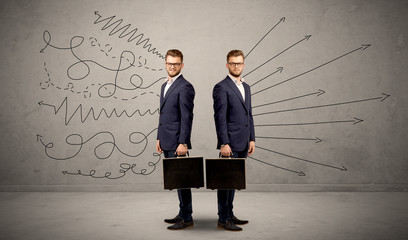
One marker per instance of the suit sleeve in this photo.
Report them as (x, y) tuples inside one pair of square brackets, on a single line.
[(220, 98), (186, 110)]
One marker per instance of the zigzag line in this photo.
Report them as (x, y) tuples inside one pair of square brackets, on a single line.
[(123, 33), (91, 112)]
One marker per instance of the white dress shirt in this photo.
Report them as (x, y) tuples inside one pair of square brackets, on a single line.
[(169, 82), (239, 85)]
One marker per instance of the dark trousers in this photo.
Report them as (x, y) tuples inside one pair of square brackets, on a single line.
[(225, 198), (184, 196)]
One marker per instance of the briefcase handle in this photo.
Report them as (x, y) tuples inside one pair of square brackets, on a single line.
[(186, 155), (221, 156)]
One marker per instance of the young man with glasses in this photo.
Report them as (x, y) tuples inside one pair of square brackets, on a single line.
[(235, 130), (174, 131)]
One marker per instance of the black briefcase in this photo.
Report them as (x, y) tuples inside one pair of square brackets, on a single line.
[(183, 172), (225, 173)]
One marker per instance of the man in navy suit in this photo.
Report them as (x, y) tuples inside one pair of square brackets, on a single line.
[(235, 129), (174, 131)]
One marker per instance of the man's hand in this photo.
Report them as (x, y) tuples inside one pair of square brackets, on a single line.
[(158, 148), (225, 150), (181, 150), (251, 148)]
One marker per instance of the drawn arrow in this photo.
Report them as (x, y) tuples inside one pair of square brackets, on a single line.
[(304, 39), (280, 69), (355, 121), (301, 159), (48, 145), (318, 93), (317, 140), (363, 47), (280, 21), (385, 96), (300, 173)]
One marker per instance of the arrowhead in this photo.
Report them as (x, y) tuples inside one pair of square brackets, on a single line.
[(365, 46), (318, 140), (321, 92), (301, 174), (385, 96), (357, 121), (283, 19), (96, 12), (280, 69), (42, 50), (307, 37), (40, 103), (64, 172), (39, 137), (344, 169)]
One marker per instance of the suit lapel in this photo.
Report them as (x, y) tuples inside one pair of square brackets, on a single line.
[(235, 89), (161, 94), (172, 87)]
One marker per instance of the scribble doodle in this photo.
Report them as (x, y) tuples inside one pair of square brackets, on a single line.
[(123, 32), (127, 60), (91, 112), (104, 49), (124, 168), (100, 151), (259, 107), (121, 83), (69, 87), (87, 93), (107, 48)]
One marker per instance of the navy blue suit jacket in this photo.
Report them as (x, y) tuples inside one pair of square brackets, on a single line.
[(233, 116), (176, 114)]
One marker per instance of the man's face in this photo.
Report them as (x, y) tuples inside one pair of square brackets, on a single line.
[(235, 65), (173, 65)]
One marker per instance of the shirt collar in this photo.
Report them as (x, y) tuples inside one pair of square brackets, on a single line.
[(171, 80), (235, 80)]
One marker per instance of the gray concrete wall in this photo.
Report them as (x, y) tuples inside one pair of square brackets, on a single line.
[(329, 84)]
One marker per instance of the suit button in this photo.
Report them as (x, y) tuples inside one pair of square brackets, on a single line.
[(160, 124), (246, 125)]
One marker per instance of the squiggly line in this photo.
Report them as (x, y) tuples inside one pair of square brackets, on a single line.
[(107, 48), (77, 41), (47, 39), (115, 86), (140, 37), (87, 94), (79, 141), (124, 168), (94, 43), (91, 112), (70, 86)]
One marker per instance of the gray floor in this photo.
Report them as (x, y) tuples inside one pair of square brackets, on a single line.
[(139, 215)]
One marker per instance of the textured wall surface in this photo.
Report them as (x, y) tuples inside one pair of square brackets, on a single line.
[(81, 79)]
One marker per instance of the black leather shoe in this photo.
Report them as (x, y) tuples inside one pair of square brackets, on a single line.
[(180, 224), (229, 226), (238, 221), (173, 220)]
